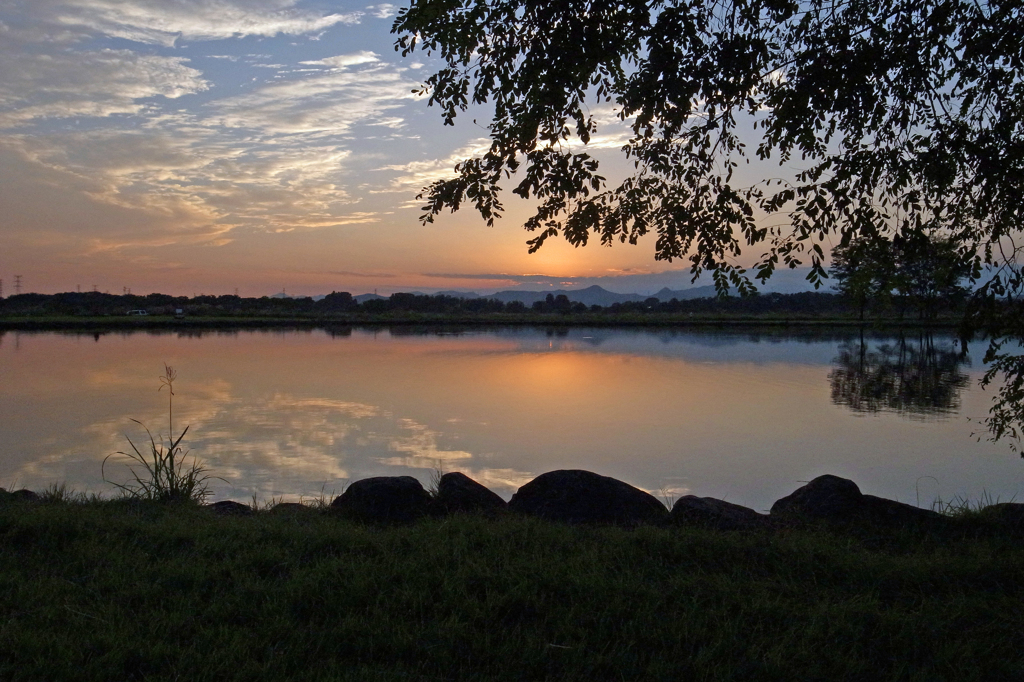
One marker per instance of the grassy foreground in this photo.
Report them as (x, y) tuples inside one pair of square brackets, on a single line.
[(111, 590)]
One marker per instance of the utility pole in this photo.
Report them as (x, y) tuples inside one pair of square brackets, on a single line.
[(17, 285)]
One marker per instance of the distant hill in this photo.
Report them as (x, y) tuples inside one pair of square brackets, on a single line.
[(460, 294), (594, 295), (667, 294)]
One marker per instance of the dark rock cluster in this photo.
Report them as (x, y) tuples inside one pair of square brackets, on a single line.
[(583, 497), (20, 495)]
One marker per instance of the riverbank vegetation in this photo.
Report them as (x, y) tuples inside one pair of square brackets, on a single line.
[(93, 309), (98, 590)]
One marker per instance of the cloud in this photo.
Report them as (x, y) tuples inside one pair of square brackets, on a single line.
[(343, 60), (331, 102), (503, 277), (96, 84), (162, 145), (106, 214), (383, 11), (373, 275), (416, 175), (164, 22)]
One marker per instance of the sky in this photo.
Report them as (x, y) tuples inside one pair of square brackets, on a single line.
[(258, 146)]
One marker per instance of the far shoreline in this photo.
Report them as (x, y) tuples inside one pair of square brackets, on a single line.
[(407, 319)]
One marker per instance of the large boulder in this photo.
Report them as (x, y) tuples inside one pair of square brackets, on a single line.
[(575, 496), (707, 511), (458, 493), (892, 513), (827, 497), (383, 499), (839, 500), (20, 496), (290, 509), (231, 508), (1009, 514)]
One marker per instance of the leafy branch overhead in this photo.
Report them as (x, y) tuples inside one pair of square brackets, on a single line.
[(901, 117)]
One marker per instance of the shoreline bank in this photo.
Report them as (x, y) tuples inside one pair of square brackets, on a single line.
[(653, 321)]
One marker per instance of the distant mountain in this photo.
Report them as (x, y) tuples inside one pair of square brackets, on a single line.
[(667, 294), (459, 294), (594, 295)]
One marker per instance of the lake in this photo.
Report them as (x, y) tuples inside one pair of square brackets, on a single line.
[(744, 416)]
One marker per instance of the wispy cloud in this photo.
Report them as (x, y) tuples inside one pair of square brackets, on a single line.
[(343, 60), (94, 84), (331, 102), (369, 275), (382, 11), (415, 175), (504, 277), (166, 21)]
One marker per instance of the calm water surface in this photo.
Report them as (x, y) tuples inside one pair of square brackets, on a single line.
[(741, 416)]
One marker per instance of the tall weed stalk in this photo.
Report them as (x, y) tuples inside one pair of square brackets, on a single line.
[(161, 473)]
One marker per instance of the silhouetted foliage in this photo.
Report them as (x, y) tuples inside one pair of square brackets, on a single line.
[(923, 272), (807, 304), (905, 119), (931, 272), (336, 302), (864, 270)]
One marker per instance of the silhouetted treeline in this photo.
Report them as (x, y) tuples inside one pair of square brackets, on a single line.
[(338, 303)]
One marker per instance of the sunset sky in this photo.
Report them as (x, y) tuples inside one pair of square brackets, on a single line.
[(203, 146)]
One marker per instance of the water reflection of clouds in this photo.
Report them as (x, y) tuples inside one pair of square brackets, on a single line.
[(419, 444), (289, 414)]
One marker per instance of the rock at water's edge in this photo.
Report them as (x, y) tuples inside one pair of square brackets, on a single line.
[(835, 499), (22, 495), (231, 508), (708, 511), (892, 513), (289, 508), (457, 492), (827, 497), (383, 499), (1005, 513), (576, 496)]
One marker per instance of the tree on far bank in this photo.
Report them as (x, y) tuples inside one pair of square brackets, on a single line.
[(864, 270), (932, 272), (924, 272)]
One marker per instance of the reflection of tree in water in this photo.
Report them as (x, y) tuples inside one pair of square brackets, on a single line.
[(915, 377)]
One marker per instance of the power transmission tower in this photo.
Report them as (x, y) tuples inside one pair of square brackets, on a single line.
[(1, 288), (17, 285)]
